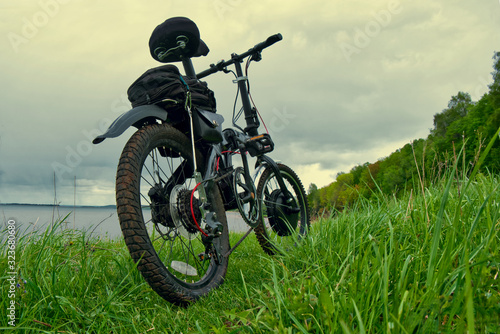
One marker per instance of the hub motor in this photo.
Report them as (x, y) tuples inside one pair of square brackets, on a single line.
[(160, 213), (282, 213)]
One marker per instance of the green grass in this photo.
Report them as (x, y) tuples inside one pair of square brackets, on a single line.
[(425, 262)]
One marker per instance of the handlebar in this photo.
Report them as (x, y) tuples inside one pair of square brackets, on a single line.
[(237, 58), (268, 42)]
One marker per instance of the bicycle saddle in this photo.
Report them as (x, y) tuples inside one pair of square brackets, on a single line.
[(165, 37)]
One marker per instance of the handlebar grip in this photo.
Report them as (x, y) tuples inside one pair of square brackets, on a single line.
[(268, 42), (273, 39)]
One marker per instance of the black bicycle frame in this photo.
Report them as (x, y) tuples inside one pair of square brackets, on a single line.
[(251, 117)]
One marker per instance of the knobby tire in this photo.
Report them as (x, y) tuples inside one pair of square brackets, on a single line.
[(271, 241), (153, 141)]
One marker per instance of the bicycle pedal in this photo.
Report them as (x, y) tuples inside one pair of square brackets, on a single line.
[(203, 256), (259, 145), (246, 196)]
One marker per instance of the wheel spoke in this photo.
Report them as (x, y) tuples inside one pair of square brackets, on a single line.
[(145, 199), (283, 220), (163, 244), (155, 176), (180, 248)]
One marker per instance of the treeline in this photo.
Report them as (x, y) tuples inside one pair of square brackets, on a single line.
[(463, 124)]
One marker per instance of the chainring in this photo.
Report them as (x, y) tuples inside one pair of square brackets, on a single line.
[(248, 207)]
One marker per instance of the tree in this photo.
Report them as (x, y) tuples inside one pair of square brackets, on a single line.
[(462, 122), (357, 171), (313, 198), (495, 86), (457, 108)]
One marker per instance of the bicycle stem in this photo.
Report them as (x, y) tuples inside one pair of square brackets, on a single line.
[(250, 113)]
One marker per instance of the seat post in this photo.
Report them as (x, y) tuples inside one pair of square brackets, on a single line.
[(188, 67)]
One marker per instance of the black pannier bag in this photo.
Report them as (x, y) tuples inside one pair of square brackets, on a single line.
[(155, 85), (166, 83)]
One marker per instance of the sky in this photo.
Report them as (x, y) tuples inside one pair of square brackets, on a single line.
[(351, 81)]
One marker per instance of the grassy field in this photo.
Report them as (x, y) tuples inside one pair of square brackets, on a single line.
[(426, 262)]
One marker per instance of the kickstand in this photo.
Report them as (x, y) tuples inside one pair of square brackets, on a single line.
[(238, 243)]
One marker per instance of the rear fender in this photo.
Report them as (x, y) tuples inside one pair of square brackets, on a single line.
[(133, 117)]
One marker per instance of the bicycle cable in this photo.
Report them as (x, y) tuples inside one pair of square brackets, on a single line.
[(236, 116), (250, 95)]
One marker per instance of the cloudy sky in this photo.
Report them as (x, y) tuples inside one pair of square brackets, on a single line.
[(351, 82)]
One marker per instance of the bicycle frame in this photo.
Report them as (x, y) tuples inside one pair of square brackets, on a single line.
[(220, 155)]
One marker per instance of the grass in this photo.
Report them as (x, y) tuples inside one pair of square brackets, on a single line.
[(378, 268), (426, 262)]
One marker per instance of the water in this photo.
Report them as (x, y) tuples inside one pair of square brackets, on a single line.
[(100, 221)]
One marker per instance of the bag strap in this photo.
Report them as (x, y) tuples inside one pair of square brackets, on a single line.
[(188, 94)]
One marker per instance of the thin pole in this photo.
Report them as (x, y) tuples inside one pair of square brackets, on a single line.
[(74, 205)]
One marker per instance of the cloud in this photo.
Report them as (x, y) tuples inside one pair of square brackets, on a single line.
[(326, 109)]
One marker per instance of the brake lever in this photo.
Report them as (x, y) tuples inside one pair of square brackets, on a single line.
[(220, 66), (256, 56)]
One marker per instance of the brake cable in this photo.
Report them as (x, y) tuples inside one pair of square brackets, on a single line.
[(250, 95)]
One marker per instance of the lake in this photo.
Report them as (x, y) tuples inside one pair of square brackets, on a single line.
[(102, 221)]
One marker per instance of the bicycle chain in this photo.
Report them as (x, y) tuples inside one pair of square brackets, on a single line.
[(220, 178)]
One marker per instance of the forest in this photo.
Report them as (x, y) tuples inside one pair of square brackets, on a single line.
[(459, 134)]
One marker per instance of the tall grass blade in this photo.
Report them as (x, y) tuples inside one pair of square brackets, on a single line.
[(360, 320), (475, 171), (437, 227), (468, 296)]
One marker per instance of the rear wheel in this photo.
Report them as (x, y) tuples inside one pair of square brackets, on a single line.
[(155, 203), (285, 214)]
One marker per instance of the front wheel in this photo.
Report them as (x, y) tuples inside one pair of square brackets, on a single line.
[(155, 201), (285, 213)]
